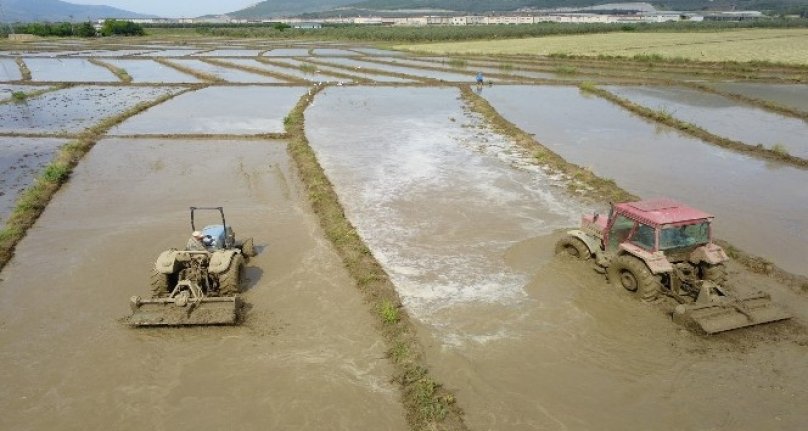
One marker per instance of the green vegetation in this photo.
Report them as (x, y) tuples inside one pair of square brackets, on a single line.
[(19, 96), (565, 70), (120, 73), (57, 29), (114, 27), (462, 33), (428, 405), (458, 63), (780, 149), (308, 68)]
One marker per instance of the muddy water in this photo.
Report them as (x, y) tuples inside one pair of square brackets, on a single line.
[(67, 70), (217, 110), (73, 109), (435, 211), (288, 71), (6, 90), (723, 116), (652, 160), (307, 356), (226, 73), (526, 341), (152, 72), (21, 160), (791, 95), (9, 70)]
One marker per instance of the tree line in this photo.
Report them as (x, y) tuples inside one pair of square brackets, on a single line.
[(111, 27)]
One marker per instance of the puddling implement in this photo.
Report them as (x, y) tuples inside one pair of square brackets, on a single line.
[(196, 287), (662, 247)]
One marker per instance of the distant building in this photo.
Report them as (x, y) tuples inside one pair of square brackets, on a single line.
[(307, 25)]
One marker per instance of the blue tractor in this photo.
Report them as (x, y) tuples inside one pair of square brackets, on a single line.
[(198, 286)]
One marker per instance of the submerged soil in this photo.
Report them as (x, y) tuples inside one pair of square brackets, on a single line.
[(21, 160), (306, 357)]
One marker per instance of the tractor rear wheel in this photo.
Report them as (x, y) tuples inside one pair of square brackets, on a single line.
[(248, 248), (716, 273), (573, 247), (230, 280), (160, 283), (634, 275)]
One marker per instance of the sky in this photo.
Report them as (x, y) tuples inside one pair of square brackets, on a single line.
[(173, 8)]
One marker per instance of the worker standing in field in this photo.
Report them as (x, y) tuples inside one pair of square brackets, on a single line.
[(480, 79)]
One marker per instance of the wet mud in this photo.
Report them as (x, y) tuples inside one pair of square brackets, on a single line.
[(7, 91), (723, 117), (411, 71), (288, 71), (306, 357), (73, 109), (288, 52), (21, 160), (67, 70), (651, 160), (326, 69), (245, 110), (231, 53)]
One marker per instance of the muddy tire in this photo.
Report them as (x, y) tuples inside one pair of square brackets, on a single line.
[(160, 283), (715, 273), (248, 248), (572, 247), (230, 280), (634, 276)]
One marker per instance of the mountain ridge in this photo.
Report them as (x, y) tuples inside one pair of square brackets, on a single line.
[(57, 10)]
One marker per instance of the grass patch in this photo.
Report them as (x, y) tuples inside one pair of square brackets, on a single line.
[(565, 70), (780, 149), (24, 71), (19, 96), (121, 74), (32, 201), (308, 68), (428, 405)]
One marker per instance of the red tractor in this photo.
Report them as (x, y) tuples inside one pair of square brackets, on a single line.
[(662, 247)]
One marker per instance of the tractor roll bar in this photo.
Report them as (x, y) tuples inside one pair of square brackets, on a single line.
[(221, 212)]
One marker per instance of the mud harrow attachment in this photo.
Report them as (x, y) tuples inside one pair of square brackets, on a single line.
[(728, 314), (186, 305)]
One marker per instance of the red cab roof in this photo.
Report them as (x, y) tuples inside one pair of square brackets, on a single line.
[(661, 211)]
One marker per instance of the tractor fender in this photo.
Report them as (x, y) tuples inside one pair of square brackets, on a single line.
[(166, 262), (708, 253), (657, 262), (592, 243), (220, 261)]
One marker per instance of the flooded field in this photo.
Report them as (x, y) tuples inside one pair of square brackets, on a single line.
[(298, 362), (152, 72), (460, 217), (9, 70), (225, 73), (217, 110), (526, 341), (21, 160), (73, 109), (651, 160), (724, 117), (67, 70), (791, 95)]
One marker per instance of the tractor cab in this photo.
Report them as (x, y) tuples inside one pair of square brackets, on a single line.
[(217, 236), (656, 225)]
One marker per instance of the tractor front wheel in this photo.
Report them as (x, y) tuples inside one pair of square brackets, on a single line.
[(634, 275), (230, 280), (573, 247)]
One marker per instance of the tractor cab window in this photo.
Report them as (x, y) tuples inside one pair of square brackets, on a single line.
[(643, 237), (684, 236), (620, 230)]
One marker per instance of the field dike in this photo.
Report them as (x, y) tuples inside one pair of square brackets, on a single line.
[(188, 71), (765, 104), (32, 202), (21, 96), (590, 186), (120, 73), (695, 131), (428, 405), (24, 71)]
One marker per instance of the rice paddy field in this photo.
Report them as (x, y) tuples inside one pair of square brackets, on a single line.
[(776, 46), (405, 221)]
